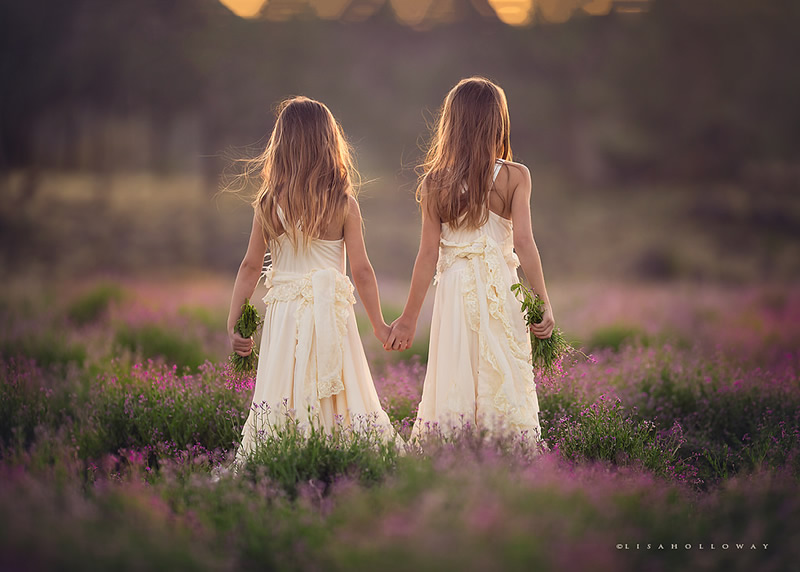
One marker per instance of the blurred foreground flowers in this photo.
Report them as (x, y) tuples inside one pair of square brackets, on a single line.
[(687, 434)]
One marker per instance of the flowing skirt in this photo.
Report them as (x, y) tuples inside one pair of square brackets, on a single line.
[(312, 365), (479, 361)]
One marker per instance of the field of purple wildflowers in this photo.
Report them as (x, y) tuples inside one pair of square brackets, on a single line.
[(676, 446)]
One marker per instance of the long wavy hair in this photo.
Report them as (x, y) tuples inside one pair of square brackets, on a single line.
[(471, 131), (307, 167)]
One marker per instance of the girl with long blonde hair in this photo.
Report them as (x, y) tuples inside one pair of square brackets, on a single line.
[(476, 231), (311, 362)]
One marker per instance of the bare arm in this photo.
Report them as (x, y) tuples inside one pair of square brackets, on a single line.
[(525, 245), (245, 285), (404, 327), (362, 271)]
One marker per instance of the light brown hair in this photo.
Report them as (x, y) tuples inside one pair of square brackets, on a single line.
[(470, 133), (307, 167)]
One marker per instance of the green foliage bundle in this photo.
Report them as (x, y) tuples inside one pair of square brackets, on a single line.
[(247, 325), (547, 353)]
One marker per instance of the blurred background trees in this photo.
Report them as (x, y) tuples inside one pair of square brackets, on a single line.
[(603, 94), (687, 88)]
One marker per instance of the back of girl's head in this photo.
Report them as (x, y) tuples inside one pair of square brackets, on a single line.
[(307, 168), (470, 133)]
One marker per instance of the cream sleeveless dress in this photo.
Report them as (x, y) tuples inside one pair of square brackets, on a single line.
[(479, 361), (311, 363)]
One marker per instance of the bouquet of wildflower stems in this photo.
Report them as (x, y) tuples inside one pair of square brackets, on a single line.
[(547, 353), (246, 326)]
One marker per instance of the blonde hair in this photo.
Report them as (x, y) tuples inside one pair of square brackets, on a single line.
[(308, 167), (470, 133)]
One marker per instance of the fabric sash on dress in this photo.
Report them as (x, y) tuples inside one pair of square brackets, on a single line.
[(484, 247), (324, 295)]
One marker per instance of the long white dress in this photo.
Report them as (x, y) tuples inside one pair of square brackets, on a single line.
[(311, 364), (479, 361)]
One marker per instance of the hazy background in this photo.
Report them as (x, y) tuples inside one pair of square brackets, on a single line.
[(663, 136)]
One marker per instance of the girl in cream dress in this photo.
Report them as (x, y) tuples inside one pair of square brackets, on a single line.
[(476, 231), (311, 364)]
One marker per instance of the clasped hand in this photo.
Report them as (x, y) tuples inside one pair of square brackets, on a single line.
[(401, 335)]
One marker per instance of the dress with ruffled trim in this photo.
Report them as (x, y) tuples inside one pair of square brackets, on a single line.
[(311, 366), (479, 360)]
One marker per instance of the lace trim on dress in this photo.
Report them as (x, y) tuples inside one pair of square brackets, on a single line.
[(325, 296)]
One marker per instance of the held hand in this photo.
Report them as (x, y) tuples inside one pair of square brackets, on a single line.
[(544, 329), (382, 332), (240, 345), (402, 334)]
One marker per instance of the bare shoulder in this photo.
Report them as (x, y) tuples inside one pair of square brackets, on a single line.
[(424, 189), (352, 231), (513, 177), (352, 206), (517, 173), (426, 199)]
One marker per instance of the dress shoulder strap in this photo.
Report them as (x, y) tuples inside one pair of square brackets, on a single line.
[(497, 164), (281, 216)]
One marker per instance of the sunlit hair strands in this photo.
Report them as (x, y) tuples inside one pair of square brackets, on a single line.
[(471, 131), (307, 168)]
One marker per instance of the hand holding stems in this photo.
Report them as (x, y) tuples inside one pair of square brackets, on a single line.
[(241, 346), (548, 344), (246, 279), (544, 329)]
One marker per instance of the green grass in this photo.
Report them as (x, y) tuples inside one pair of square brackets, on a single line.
[(30, 398), (107, 464), (155, 341), (291, 454), (92, 305), (606, 431), (615, 336), (210, 318), (47, 348), (154, 407), (454, 512)]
